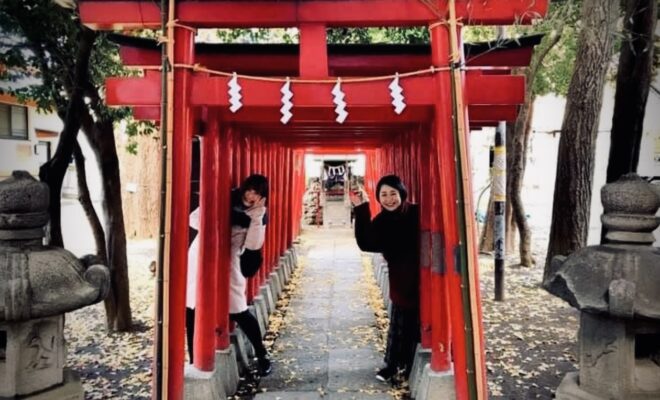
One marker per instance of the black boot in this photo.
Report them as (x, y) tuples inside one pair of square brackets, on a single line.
[(386, 374), (265, 366)]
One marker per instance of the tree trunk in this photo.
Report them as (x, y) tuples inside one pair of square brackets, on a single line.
[(517, 145), (632, 86), (102, 141), (575, 164), (86, 203), (515, 176), (52, 172)]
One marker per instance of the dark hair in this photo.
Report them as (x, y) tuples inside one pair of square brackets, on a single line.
[(256, 182), (395, 182)]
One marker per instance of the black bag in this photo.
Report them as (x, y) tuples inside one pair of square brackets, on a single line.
[(251, 261)]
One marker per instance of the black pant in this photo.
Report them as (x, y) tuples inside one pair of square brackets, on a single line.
[(190, 330), (249, 325), (402, 338)]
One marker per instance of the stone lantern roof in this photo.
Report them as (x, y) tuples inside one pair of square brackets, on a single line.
[(36, 280), (620, 278)]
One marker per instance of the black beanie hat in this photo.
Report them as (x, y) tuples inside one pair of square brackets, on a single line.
[(395, 182)]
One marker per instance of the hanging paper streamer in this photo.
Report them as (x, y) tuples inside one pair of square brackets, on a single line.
[(338, 99), (287, 105), (234, 94), (396, 91)]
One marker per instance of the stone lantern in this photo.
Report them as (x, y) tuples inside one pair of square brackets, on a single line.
[(616, 287), (38, 284)]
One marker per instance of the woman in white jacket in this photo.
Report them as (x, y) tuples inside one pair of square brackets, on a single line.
[(191, 284), (248, 228)]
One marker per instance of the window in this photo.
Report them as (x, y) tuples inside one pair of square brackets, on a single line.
[(13, 122)]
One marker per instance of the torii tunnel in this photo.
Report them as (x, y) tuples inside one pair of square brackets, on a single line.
[(424, 144)]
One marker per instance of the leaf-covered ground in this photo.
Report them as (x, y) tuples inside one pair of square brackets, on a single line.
[(116, 365), (530, 338)]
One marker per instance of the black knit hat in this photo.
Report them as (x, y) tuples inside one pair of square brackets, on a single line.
[(395, 182)]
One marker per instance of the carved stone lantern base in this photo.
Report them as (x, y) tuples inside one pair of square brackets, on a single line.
[(618, 357), (32, 357)]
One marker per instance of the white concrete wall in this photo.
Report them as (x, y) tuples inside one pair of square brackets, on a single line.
[(22, 154), (538, 186)]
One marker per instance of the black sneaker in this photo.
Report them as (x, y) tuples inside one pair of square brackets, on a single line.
[(265, 367), (386, 374)]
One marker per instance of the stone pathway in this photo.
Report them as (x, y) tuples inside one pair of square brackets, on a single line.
[(336, 214), (329, 345)]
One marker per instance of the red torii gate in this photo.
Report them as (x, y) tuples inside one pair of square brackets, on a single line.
[(421, 145)]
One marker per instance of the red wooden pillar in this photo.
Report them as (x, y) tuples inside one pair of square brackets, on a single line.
[(237, 152), (313, 51), (265, 269), (447, 279), (180, 201), (299, 178), (426, 219), (225, 171), (205, 305), (283, 208), (275, 207), (288, 200)]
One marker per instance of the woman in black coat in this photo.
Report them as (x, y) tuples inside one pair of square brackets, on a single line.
[(394, 232)]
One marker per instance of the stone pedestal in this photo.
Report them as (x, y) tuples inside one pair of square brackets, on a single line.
[(258, 309), (33, 357), (267, 294), (225, 362), (422, 358), (243, 350), (70, 389), (275, 285), (216, 384), (436, 385), (202, 385)]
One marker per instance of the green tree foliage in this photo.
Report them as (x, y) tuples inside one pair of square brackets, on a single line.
[(49, 57), (38, 48), (413, 35)]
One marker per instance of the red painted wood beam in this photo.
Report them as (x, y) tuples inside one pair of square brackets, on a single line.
[(338, 64), (488, 113), (316, 115), (331, 149), (120, 15), (134, 92), (316, 119), (213, 91), (494, 89), (247, 14), (150, 113)]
